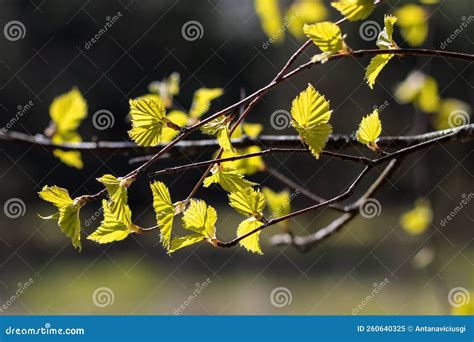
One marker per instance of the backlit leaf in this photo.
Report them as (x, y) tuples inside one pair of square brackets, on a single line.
[(354, 10), (117, 190), (251, 242), (310, 108), (219, 127), (177, 117), (278, 202), (229, 179), (376, 65), (385, 37), (326, 35), (200, 218), (184, 241), (55, 195), (164, 210), (248, 202), (315, 136), (202, 101), (268, 11), (166, 89), (428, 99), (110, 229), (148, 118), (417, 220), (369, 130), (68, 110), (302, 12), (413, 22), (70, 158)]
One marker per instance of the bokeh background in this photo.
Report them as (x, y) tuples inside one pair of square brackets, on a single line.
[(147, 44)]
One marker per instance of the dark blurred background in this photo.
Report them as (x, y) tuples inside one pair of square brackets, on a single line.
[(146, 44)]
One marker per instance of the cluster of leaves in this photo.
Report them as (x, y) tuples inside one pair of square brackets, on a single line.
[(421, 91)]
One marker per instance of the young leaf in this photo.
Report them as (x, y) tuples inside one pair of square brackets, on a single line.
[(248, 202), (375, 67), (369, 130), (247, 166), (385, 38), (413, 22), (310, 108), (418, 219), (268, 11), (302, 12), (315, 137), (310, 113), (202, 101), (219, 127), (68, 110), (251, 130), (148, 118), (68, 212), (251, 242), (354, 10), (110, 229), (117, 190), (326, 35), (278, 202), (184, 241), (229, 179), (200, 218), (165, 211)]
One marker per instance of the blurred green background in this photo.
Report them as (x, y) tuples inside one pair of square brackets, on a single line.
[(145, 45)]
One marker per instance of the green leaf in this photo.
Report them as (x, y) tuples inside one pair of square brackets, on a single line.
[(246, 166), (315, 137), (302, 12), (165, 211), (184, 241), (326, 35), (310, 108), (110, 229), (248, 202), (177, 117), (200, 218), (417, 220), (229, 179), (59, 197), (413, 22), (251, 242), (369, 130), (268, 11), (375, 67), (117, 190), (278, 202), (68, 110), (148, 118), (354, 10), (385, 38), (202, 101), (219, 127)]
